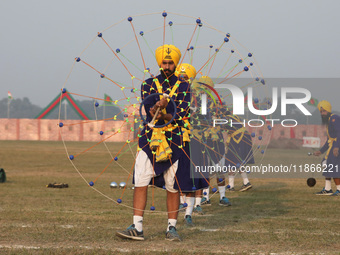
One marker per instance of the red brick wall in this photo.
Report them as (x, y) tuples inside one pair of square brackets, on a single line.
[(78, 130), (73, 130)]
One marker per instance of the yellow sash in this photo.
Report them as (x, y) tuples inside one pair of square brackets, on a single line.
[(159, 143), (330, 142)]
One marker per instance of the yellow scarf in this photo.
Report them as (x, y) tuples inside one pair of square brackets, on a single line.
[(159, 144), (330, 141)]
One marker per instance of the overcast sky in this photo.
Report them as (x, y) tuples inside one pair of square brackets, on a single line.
[(291, 39)]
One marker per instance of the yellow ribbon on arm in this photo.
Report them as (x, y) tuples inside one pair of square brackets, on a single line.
[(159, 143)]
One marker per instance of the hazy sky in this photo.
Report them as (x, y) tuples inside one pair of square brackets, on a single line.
[(40, 38)]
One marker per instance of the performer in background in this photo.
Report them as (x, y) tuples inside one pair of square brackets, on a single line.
[(192, 190), (331, 160)]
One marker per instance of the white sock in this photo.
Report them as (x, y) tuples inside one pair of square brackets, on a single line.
[(328, 185), (245, 178), (190, 207), (338, 187), (171, 222), (138, 221), (206, 192), (182, 198), (197, 201), (221, 189), (231, 180)]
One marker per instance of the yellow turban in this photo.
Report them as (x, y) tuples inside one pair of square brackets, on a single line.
[(187, 69), (168, 52), (197, 86), (325, 105), (206, 80)]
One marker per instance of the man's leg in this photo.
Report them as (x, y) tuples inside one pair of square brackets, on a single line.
[(327, 190), (182, 198), (190, 200), (139, 204), (205, 199), (139, 200), (135, 231), (231, 183), (198, 199), (172, 199), (221, 188), (246, 184), (337, 183), (142, 175), (172, 204)]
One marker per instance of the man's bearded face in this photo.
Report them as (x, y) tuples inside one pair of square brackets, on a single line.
[(325, 117), (169, 67)]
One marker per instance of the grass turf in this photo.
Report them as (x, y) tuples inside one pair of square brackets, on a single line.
[(279, 215)]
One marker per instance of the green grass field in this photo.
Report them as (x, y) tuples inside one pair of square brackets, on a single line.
[(279, 215)]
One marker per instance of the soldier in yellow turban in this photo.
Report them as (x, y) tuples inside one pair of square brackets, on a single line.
[(331, 161), (206, 80), (325, 105), (160, 148), (199, 86), (186, 71), (167, 57)]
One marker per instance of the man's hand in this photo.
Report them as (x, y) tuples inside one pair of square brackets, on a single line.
[(317, 153), (153, 112), (336, 152), (163, 103)]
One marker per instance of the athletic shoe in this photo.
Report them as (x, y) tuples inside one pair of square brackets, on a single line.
[(131, 233), (336, 193), (205, 201), (172, 234), (225, 202), (198, 210), (246, 187), (231, 189), (324, 192), (181, 208), (188, 220)]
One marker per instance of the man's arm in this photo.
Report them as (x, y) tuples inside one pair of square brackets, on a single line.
[(149, 103), (323, 149), (336, 122), (184, 97)]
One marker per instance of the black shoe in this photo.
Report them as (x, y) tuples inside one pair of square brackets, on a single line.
[(131, 233), (246, 187), (172, 234)]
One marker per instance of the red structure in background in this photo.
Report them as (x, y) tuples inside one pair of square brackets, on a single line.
[(58, 100)]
